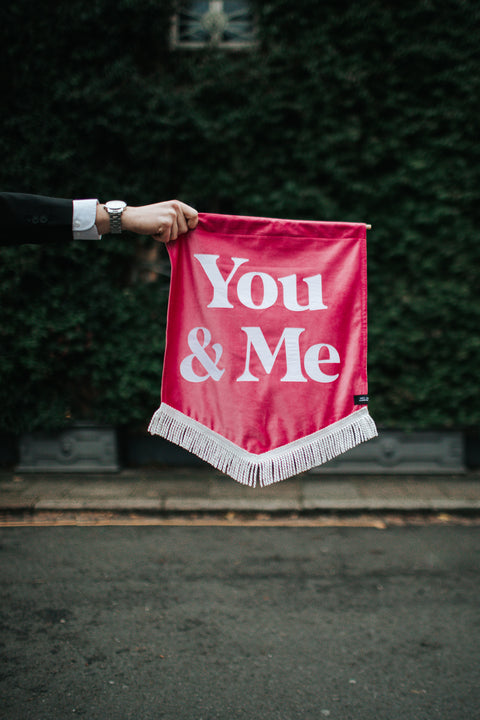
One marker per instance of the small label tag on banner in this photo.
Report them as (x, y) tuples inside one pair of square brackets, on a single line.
[(360, 399)]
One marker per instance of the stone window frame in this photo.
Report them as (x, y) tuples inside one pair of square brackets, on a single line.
[(217, 20)]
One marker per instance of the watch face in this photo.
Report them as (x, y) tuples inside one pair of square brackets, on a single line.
[(116, 204)]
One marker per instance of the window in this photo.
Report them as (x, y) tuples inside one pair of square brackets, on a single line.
[(225, 24)]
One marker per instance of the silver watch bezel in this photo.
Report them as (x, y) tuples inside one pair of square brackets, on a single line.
[(116, 205)]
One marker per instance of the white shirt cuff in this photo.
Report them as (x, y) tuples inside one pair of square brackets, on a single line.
[(84, 214)]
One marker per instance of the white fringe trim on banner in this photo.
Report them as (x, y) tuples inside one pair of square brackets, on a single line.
[(269, 467)]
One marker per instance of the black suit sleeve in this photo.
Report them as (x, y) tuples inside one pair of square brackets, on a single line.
[(34, 219)]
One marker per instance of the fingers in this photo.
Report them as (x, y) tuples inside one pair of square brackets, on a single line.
[(190, 214), (174, 227), (187, 217), (169, 224), (181, 221), (180, 218)]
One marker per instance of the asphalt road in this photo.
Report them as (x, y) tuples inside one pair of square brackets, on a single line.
[(221, 623)]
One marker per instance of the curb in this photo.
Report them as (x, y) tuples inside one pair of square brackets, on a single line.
[(186, 492), (240, 505)]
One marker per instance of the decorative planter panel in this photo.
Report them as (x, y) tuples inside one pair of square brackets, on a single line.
[(397, 453), (79, 449)]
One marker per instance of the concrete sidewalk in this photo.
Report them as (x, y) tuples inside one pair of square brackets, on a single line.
[(201, 490)]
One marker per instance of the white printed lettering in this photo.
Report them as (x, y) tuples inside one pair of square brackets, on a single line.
[(219, 284), (256, 339), (312, 362), (198, 352), (290, 293), (244, 290)]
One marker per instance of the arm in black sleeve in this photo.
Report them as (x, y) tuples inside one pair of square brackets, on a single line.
[(34, 219)]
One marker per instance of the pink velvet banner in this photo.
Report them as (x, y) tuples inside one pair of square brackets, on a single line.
[(265, 370)]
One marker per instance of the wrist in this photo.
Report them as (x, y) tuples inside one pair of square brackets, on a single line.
[(102, 221)]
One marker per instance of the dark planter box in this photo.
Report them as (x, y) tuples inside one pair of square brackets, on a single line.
[(394, 453), (83, 448), (93, 449)]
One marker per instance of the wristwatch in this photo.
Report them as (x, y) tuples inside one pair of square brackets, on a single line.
[(115, 209)]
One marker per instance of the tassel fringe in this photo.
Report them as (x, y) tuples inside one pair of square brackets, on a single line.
[(269, 467)]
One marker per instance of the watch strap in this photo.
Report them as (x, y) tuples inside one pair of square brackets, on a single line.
[(115, 209), (115, 221)]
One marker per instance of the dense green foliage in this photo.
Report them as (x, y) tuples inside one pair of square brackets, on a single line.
[(345, 111)]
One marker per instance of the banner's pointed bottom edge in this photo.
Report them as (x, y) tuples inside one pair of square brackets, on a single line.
[(269, 467)]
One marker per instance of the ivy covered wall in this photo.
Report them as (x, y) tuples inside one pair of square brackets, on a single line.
[(348, 111)]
